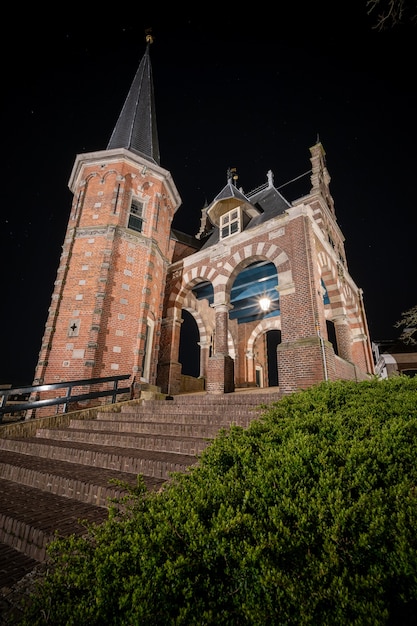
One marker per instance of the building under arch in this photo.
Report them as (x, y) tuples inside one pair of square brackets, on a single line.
[(125, 276)]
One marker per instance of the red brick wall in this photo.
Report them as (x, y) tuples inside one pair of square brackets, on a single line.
[(109, 281), (303, 259), (112, 284)]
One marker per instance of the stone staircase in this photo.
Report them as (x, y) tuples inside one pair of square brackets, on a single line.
[(54, 475)]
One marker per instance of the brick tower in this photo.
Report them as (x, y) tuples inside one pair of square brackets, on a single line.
[(105, 313)]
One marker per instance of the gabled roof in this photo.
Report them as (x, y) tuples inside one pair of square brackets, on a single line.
[(188, 240), (136, 128), (229, 198), (270, 201), (262, 204)]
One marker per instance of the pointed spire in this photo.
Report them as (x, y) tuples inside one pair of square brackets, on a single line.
[(320, 177), (136, 128)]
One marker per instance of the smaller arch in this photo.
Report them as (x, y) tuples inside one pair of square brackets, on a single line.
[(185, 283), (107, 174), (263, 326), (189, 346), (90, 177), (205, 330)]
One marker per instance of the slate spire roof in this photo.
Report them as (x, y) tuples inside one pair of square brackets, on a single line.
[(136, 128)]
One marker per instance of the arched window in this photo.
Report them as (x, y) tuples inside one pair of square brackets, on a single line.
[(136, 216)]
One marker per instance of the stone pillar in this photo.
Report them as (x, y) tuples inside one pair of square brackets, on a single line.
[(221, 320), (169, 368), (343, 337), (250, 368), (220, 369), (204, 356)]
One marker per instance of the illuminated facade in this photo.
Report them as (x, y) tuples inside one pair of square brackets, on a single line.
[(126, 277)]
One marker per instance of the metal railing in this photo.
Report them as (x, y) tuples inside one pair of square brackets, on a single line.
[(64, 400)]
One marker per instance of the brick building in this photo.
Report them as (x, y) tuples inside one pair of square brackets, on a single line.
[(126, 279)]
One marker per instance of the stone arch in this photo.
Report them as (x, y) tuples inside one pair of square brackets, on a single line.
[(221, 276), (182, 298), (90, 177), (330, 277), (271, 323), (266, 367), (223, 279), (261, 251), (202, 314), (343, 316), (184, 283), (193, 335), (78, 203), (110, 173)]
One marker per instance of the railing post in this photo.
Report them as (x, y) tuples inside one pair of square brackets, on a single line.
[(114, 396), (2, 403), (68, 396)]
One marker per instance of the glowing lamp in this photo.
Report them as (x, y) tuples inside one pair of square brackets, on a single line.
[(264, 303)]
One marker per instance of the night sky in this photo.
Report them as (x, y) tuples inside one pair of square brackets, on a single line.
[(233, 89)]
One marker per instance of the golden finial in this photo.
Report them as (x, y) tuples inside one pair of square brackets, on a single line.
[(148, 35), (232, 174)]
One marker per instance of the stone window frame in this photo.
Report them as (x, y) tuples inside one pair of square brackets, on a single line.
[(136, 218), (231, 223)]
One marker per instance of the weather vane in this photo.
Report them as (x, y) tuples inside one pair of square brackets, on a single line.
[(232, 174)]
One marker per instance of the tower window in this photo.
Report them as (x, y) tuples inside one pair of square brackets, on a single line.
[(136, 216), (230, 223)]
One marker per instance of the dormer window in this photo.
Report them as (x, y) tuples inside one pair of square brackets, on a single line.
[(136, 216), (230, 223)]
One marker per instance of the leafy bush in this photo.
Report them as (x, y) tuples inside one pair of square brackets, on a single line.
[(309, 516)]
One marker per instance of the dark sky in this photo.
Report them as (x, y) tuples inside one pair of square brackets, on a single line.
[(251, 90)]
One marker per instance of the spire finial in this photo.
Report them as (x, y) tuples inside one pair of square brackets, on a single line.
[(149, 36), (232, 175)]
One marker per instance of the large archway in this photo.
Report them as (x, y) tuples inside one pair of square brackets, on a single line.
[(189, 351), (273, 339), (265, 355)]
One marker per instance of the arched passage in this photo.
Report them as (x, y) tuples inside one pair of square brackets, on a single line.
[(273, 339), (226, 304), (189, 352)]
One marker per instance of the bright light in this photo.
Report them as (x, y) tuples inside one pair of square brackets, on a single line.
[(264, 303)]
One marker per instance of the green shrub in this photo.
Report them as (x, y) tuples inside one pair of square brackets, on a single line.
[(309, 516)]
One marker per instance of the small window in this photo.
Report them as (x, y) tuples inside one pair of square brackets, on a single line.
[(230, 223), (136, 216)]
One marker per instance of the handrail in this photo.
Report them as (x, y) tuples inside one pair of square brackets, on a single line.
[(64, 400)]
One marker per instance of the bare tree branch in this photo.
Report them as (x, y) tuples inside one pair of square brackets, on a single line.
[(391, 13), (408, 322)]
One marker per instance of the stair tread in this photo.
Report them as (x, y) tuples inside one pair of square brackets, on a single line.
[(127, 419), (153, 455), (124, 434), (72, 471), (22, 503), (13, 565)]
